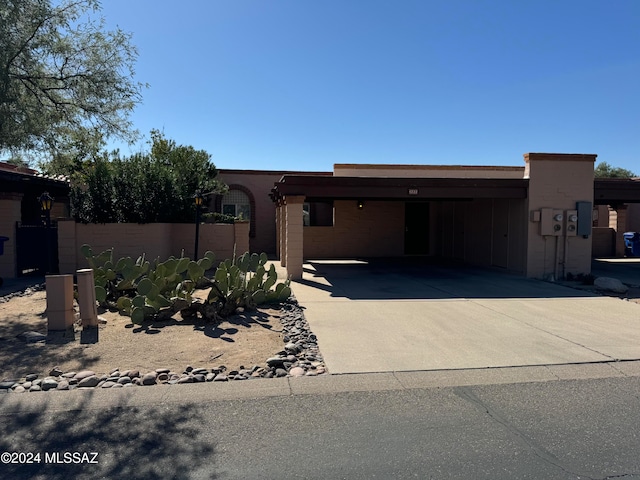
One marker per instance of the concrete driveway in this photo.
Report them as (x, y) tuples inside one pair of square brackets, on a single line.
[(403, 315)]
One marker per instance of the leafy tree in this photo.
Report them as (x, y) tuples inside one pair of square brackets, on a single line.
[(604, 170), (145, 187), (63, 77)]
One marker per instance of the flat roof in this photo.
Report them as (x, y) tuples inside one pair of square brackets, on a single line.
[(391, 188)]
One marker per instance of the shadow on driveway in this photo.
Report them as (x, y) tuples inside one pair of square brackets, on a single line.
[(423, 278)]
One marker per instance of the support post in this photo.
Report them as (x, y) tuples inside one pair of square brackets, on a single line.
[(87, 298)]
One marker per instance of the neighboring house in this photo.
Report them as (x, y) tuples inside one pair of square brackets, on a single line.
[(248, 196), (20, 189), (502, 217)]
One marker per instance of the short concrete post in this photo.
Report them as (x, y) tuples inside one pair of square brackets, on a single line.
[(60, 315), (87, 298)]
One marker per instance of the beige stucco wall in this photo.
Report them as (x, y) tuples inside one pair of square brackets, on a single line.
[(426, 171), (557, 181), (375, 231), (154, 240), (10, 208)]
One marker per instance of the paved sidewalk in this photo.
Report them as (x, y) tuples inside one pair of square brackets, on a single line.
[(379, 317)]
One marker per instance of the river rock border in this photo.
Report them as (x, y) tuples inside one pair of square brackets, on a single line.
[(299, 357)]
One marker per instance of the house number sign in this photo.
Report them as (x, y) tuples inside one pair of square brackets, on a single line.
[(413, 191)]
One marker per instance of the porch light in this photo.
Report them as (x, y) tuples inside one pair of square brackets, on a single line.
[(360, 204), (46, 202), (198, 198)]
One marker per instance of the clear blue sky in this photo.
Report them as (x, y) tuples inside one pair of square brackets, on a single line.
[(302, 84)]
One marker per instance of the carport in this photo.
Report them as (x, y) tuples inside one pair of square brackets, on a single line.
[(500, 217)]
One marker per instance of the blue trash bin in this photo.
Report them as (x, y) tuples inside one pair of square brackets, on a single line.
[(631, 244)]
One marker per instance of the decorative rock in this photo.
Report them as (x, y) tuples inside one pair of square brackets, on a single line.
[(280, 372), (124, 380), (73, 381), (7, 384), (117, 385), (199, 377), (210, 377), (185, 380), (115, 372), (90, 381), (84, 374), (129, 385), (220, 378), (198, 370), (291, 347), (149, 378), (113, 378), (32, 337), (162, 370), (163, 376), (31, 377), (63, 385), (134, 373), (19, 389), (109, 384), (48, 383), (27, 385), (610, 285), (297, 372), (275, 361), (188, 369), (35, 388), (69, 375)]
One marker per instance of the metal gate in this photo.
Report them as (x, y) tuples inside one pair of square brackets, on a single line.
[(36, 248)]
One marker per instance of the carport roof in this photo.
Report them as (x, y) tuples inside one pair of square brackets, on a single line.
[(614, 191), (318, 188)]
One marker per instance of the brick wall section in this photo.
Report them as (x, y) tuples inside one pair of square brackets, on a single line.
[(154, 240), (10, 208), (603, 242), (618, 221), (294, 236), (375, 231), (633, 217), (557, 181)]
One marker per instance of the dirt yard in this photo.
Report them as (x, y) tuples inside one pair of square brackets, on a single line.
[(244, 340)]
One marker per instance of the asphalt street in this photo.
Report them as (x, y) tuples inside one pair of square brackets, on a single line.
[(564, 429)]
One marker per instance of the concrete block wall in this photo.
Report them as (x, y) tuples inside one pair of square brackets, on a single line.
[(10, 213), (154, 240), (603, 242), (377, 230), (557, 181)]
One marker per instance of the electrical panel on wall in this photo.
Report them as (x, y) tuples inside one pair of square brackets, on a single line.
[(585, 218)]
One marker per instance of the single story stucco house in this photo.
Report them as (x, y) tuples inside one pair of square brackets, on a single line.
[(535, 220)]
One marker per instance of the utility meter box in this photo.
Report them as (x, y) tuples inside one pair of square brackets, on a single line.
[(551, 222), (571, 222)]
